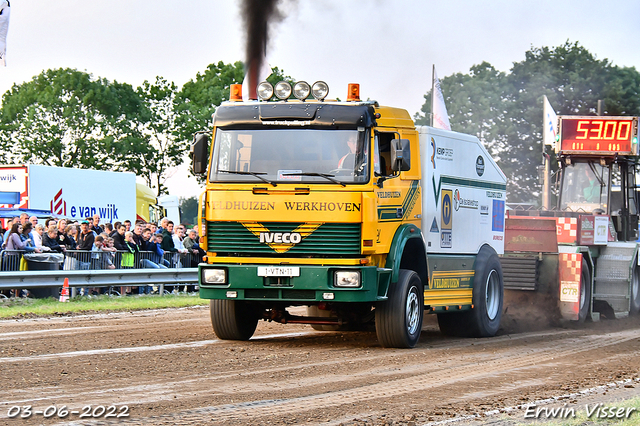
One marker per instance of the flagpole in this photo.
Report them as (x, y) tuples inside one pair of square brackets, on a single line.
[(546, 190), (433, 93)]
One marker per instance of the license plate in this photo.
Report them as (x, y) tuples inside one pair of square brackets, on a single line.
[(278, 271)]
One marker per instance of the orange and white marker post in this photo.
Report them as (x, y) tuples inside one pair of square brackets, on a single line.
[(64, 295)]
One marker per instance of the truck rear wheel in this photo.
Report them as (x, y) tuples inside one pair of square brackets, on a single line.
[(488, 294), (634, 306), (399, 318), (233, 319)]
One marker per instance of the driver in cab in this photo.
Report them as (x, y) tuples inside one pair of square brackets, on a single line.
[(349, 159)]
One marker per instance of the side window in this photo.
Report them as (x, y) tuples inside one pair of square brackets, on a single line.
[(382, 158)]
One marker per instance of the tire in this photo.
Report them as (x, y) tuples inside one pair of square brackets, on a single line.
[(233, 319), (399, 318), (313, 311), (585, 292), (487, 298), (634, 303), (488, 294)]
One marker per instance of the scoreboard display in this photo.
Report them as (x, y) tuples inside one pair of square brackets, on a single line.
[(599, 134)]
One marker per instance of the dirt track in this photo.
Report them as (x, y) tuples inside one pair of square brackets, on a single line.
[(168, 368)]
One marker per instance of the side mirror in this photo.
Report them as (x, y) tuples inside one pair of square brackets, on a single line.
[(200, 153), (400, 155)]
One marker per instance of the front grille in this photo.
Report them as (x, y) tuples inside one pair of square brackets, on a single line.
[(329, 239)]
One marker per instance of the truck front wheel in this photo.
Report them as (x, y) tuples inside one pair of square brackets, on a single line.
[(233, 319), (399, 318)]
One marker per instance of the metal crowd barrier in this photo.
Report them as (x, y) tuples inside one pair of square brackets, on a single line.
[(16, 268), (10, 260)]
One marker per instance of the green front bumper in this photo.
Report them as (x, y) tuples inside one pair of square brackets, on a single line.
[(315, 284)]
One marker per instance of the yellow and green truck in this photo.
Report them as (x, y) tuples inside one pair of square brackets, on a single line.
[(349, 209)]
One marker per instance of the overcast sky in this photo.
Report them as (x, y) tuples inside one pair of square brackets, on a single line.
[(388, 46)]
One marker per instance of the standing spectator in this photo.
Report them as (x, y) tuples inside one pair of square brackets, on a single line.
[(127, 224), (13, 244), (116, 225), (72, 233), (24, 218), (108, 228), (38, 233), (154, 227), (2, 231), (95, 226), (191, 243), (50, 240), (86, 236), (13, 240), (163, 225), (178, 236), (167, 237), (26, 238), (9, 226), (118, 238), (34, 221), (101, 254), (137, 234), (152, 245), (63, 238)]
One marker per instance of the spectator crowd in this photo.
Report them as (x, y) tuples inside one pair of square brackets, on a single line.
[(90, 244)]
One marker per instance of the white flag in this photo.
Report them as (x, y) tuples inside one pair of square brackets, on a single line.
[(550, 123), (438, 108), (4, 28)]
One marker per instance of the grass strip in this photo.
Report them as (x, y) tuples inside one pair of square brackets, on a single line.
[(27, 308)]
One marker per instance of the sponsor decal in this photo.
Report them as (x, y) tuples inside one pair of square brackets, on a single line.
[(108, 213), (281, 242), (465, 203), (480, 165), (445, 283), (11, 177), (439, 153), (494, 194), (446, 219), (280, 237), (484, 214), (389, 194), (316, 206), (570, 291), (497, 224), (295, 123), (450, 279), (243, 205)]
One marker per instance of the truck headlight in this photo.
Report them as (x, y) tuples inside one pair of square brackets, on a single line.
[(214, 276), (346, 279)]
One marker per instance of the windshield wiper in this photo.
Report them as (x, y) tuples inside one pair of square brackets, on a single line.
[(326, 176), (256, 174)]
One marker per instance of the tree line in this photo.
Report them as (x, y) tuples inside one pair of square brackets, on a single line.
[(69, 118), (504, 109)]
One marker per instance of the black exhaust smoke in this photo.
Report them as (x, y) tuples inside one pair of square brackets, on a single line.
[(258, 15)]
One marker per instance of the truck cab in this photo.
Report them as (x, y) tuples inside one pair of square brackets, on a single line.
[(319, 204)]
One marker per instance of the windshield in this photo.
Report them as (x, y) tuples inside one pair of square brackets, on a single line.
[(585, 187), (290, 155)]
